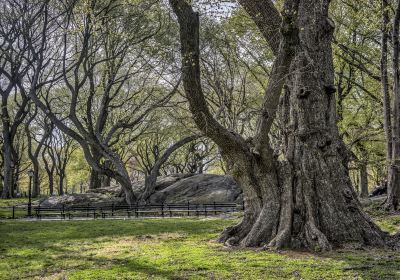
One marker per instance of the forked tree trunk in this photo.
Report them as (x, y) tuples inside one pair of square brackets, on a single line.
[(305, 201)]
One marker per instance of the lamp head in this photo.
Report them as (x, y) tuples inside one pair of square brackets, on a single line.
[(31, 173)]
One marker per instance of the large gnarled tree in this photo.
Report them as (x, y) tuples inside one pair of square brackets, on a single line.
[(305, 200)]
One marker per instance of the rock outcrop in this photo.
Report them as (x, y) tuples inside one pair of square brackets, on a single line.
[(202, 188), (177, 188)]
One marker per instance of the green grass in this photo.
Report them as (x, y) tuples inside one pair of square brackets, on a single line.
[(167, 249), (12, 201), (6, 208)]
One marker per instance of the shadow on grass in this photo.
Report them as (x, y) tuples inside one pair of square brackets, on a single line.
[(79, 248)]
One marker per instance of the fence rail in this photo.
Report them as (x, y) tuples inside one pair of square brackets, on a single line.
[(119, 210)]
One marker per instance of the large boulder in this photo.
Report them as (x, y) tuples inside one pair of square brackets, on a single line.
[(201, 188)]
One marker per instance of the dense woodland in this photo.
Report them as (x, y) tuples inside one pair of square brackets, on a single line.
[(298, 100)]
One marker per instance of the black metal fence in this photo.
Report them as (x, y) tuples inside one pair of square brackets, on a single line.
[(112, 210)]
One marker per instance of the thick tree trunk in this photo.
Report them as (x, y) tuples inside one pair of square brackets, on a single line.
[(393, 201), (363, 180), (317, 207), (305, 201)]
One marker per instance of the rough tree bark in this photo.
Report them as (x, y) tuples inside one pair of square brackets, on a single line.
[(151, 179), (393, 200), (305, 201)]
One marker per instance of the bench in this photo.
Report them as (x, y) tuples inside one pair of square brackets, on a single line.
[(219, 208), (113, 210), (185, 208), (150, 209), (41, 211), (80, 211)]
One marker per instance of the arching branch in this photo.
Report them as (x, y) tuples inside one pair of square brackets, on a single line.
[(189, 34), (151, 180)]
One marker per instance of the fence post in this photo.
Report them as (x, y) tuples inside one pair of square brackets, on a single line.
[(112, 209), (215, 209), (162, 209), (87, 210), (13, 212), (62, 212), (188, 208)]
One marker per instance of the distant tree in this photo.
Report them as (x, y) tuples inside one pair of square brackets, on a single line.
[(97, 103), (37, 130)]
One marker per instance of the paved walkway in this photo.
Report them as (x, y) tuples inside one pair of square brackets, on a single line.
[(213, 217)]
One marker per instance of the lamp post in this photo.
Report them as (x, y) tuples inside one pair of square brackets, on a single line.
[(31, 173)]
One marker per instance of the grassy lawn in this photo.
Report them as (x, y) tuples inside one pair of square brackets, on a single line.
[(13, 201), (6, 208), (168, 249)]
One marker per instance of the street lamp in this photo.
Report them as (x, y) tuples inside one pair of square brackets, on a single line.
[(31, 173)]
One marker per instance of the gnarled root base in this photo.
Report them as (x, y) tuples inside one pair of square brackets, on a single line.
[(307, 221), (310, 237)]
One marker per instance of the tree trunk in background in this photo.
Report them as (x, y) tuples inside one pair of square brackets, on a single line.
[(49, 169), (61, 190), (51, 183), (363, 179), (151, 179), (106, 180), (95, 177), (35, 181), (387, 111), (7, 165), (393, 200), (306, 201), (95, 180)]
